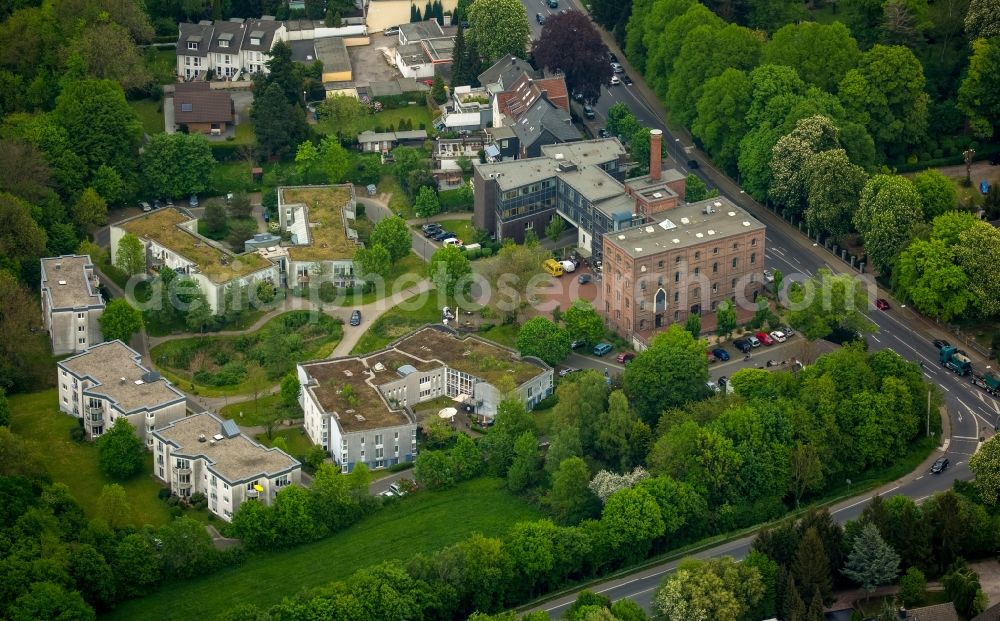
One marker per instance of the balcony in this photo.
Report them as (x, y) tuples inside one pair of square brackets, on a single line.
[(180, 471), (184, 484), (252, 493)]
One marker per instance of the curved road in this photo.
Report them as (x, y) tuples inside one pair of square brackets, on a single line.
[(972, 413)]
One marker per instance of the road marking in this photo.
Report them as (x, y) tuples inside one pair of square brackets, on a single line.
[(928, 375), (864, 500), (796, 259), (945, 388), (920, 477), (965, 438), (874, 338)]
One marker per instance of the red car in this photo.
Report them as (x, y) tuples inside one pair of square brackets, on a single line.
[(764, 338), (625, 357), (882, 304)]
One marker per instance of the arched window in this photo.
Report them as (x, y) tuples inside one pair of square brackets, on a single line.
[(661, 300)]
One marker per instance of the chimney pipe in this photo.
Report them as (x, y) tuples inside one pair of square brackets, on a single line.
[(655, 149)]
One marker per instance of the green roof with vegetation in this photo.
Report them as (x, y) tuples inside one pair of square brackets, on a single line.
[(328, 239), (162, 226)]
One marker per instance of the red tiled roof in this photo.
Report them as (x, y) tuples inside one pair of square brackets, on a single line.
[(523, 93), (555, 89)]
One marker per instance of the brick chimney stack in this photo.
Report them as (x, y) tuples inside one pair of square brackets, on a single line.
[(655, 149)]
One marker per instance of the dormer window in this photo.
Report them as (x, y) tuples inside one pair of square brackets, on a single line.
[(254, 41), (223, 43), (192, 45)]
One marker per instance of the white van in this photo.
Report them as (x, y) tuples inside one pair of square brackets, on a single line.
[(568, 266), (453, 241)]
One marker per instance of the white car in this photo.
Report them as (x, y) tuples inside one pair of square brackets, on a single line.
[(615, 80), (387, 494), (568, 266), (754, 341), (453, 241), (779, 336), (567, 371), (617, 67)]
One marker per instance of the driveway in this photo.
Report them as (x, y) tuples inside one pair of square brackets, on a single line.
[(168, 115)]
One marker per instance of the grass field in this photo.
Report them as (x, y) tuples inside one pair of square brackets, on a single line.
[(37, 418), (233, 176), (218, 365), (296, 441), (416, 114), (398, 202), (421, 523), (410, 264), (396, 322), (150, 115), (505, 334), (252, 413)]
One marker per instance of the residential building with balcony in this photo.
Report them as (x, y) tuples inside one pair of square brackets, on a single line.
[(228, 48), (71, 303), (361, 408), (171, 240), (204, 453), (107, 382), (323, 243)]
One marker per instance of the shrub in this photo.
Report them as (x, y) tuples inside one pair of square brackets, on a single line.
[(198, 501), (164, 493), (327, 292), (401, 466), (911, 587), (176, 512), (547, 402), (77, 434)]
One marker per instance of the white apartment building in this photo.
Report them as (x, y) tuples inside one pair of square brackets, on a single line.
[(171, 240), (71, 303), (203, 453), (226, 47), (361, 408), (108, 381)]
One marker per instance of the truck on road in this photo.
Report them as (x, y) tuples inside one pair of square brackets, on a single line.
[(951, 359), (987, 381)]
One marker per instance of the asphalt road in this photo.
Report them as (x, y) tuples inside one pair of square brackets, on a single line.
[(972, 413)]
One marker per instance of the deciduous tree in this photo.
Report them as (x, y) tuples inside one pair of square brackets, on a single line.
[(985, 464), (120, 453), (90, 210), (569, 42), (108, 52), (344, 113), (177, 165), (938, 194), (833, 187), (790, 154), (671, 372), (450, 270), (120, 320), (542, 338), (394, 235), (720, 123), (820, 53), (434, 470), (630, 522), (978, 95), (104, 128), (927, 275), (982, 20), (113, 507), (373, 260), (278, 124), (22, 241), (498, 28), (583, 323), (570, 498), (426, 204), (888, 210)]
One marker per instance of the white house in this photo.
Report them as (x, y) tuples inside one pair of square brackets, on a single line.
[(108, 381), (171, 240), (323, 244), (71, 303), (226, 47), (361, 408), (203, 453)]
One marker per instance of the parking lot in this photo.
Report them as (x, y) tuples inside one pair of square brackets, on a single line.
[(563, 290)]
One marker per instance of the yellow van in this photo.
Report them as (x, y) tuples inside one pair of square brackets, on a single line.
[(553, 267)]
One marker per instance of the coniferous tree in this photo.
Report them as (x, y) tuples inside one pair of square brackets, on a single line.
[(811, 567)]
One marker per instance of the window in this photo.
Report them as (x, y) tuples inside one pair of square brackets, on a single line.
[(251, 484), (734, 283), (81, 328), (697, 255), (660, 264), (223, 43), (183, 464), (697, 271), (715, 267), (82, 341), (677, 296), (734, 263), (715, 250), (753, 258), (677, 276), (753, 242), (677, 260), (696, 293), (192, 45), (715, 289), (736, 246), (81, 316)]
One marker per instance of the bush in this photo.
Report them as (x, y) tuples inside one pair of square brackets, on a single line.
[(486, 327), (911, 587), (77, 434), (176, 512), (198, 501), (547, 402), (164, 493), (401, 466), (327, 292)]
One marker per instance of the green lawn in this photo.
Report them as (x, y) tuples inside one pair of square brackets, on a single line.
[(150, 114), (248, 414), (421, 523), (398, 202), (505, 334), (244, 134), (417, 114), (297, 442), (37, 418), (397, 322), (462, 228), (408, 265), (215, 366), (232, 176)]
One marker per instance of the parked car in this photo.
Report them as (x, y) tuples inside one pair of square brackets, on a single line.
[(602, 349), (432, 226), (603, 133), (626, 80), (611, 57), (615, 80), (778, 336), (356, 318), (194, 200), (397, 489), (578, 96), (443, 235), (577, 344), (157, 204), (692, 164), (567, 371), (143, 205), (720, 354), (431, 233), (941, 343), (617, 68), (743, 345), (713, 387), (589, 112), (940, 465), (625, 357), (882, 304), (453, 241), (540, 18), (387, 494), (788, 330), (764, 338), (568, 266), (553, 4), (391, 30), (754, 341), (583, 279)]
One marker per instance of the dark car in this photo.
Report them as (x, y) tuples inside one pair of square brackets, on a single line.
[(743, 345), (603, 133), (626, 80), (692, 163), (540, 18), (157, 204), (882, 304), (442, 235), (588, 112), (941, 343), (433, 226), (939, 466), (356, 318), (578, 95), (577, 344), (612, 58), (720, 354), (583, 278)]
